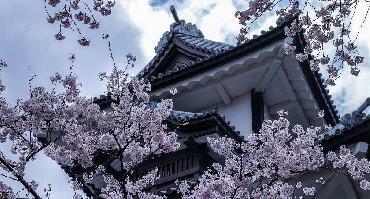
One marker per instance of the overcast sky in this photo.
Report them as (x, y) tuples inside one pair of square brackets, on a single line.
[(28, 46)]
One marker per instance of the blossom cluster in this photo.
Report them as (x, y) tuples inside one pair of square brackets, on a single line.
[(3, 64), (6, 191), (268, 163), (20, 125), (68, 14), (324, 27), (130, 130), (73, 130), (355, 167)]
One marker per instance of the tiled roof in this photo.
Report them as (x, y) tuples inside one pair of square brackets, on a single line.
[(189, 35), (195, 41), (203, 45), (325, 92), (179, 116), (348, 122), (185, 117)]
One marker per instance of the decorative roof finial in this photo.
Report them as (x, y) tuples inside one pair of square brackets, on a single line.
[(356, 117), (365, 105), (174, 13)]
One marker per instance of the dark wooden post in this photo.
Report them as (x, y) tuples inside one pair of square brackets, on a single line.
[(257, 110)]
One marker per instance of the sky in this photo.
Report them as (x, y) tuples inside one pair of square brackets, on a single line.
[(135, 26)]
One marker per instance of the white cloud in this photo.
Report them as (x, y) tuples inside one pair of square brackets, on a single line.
[(151, 23), (350, 91)]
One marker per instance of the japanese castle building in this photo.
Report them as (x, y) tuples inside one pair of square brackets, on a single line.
[(229, 90)]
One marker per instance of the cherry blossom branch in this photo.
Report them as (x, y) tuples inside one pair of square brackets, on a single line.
[(277, 155), (70, 9), (326, 26), (19, 178)]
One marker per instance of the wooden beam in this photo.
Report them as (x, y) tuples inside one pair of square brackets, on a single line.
[(267, 77), (223, 93), (285, 82)]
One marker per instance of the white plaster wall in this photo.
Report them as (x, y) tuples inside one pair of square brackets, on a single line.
[(239, 113), (266, 114)]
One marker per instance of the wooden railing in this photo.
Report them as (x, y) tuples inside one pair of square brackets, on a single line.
[(175, 168)]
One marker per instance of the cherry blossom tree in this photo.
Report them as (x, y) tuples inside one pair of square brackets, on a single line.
[(73, 131), (131, 130), (268, 164), (325, 26)]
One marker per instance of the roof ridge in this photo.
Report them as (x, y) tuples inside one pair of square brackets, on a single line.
[(178, 27), (184, 116), (208, 46), (348, 121)]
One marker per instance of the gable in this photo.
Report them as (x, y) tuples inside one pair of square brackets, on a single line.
[(176, 57), (178, 49)]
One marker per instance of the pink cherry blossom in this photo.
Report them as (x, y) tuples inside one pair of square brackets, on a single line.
[(73, 14), (74, 130), (322, 27), (265, 164)]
